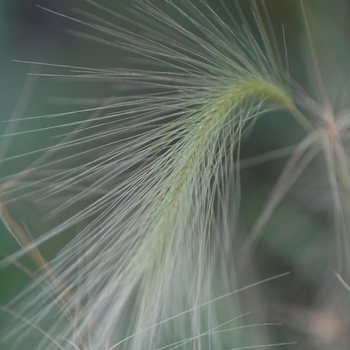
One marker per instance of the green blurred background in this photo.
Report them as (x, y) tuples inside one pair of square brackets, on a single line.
[(307, 246)]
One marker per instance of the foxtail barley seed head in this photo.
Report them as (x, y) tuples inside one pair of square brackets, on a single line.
[(151, 181)]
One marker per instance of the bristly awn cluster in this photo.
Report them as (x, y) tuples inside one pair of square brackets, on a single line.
[(146, 180)]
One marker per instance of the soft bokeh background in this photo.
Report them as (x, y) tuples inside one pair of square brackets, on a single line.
[(299, 238)]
